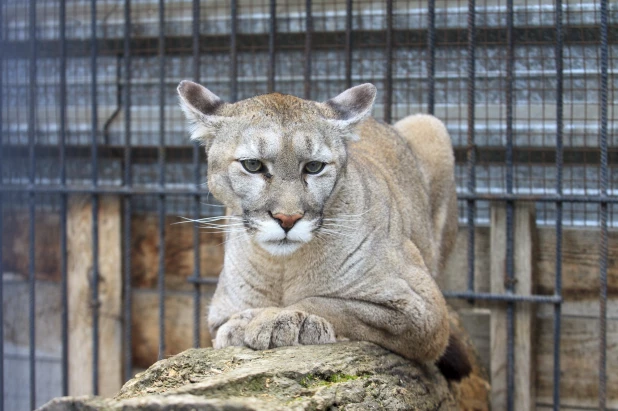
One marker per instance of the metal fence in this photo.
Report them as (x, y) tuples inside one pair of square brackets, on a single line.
[(88, 107)]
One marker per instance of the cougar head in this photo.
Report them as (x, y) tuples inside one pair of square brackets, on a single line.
[(275, 159)]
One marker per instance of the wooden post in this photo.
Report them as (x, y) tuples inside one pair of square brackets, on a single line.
[(497, 325), (525, 313), (79, 228), (524, 228)]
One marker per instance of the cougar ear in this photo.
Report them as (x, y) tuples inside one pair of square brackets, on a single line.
[(200, 106), (353, 105)]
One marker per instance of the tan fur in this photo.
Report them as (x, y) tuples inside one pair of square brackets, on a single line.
[(382, 218), (428, 138)]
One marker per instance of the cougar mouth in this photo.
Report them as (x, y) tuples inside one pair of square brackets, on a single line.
[(285, 241), (281, 247), (277, 241)]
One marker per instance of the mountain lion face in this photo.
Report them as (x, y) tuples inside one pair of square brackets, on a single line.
[(279, 176), (275, 160)]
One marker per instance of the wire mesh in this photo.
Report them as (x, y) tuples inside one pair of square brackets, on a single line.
[(88, 107)]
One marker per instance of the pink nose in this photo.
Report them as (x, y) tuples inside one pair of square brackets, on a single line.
[(287, 221)]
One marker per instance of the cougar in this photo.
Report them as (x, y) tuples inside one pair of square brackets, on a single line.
[(336, 226)]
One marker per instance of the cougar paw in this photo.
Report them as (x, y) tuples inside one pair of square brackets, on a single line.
[(232, 333), (277, 328), (316, 330)]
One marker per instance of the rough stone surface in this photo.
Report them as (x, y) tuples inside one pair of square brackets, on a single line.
[(343, 376)]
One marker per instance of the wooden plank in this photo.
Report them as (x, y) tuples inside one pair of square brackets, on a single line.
[(523, 235), (524, 231), (144, 249), (178, 324), (498, 313), (579, 362), (15, 243), (580, 262), (79, 226), (178, 252)]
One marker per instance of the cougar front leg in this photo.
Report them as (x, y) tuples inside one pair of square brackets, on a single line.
[(411, 322)]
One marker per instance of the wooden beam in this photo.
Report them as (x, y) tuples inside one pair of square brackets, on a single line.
[(497, 327), (178, 324), (579, 362), (79, 227), (525, 313), (178, 252), (523, 237), (15, 243)]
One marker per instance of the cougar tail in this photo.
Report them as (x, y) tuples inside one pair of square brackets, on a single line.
[(455, 363)]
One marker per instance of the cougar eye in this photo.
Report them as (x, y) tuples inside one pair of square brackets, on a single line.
[(253, 165), (314, 167)]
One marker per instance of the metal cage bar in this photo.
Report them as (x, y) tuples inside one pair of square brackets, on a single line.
[(31, 198), (147, 190), (388, 75), (308, 44), (234, 50), (559, 178), (127, 201), (603, 257), (510, 209), (2, 292), (471, 154), (1, 211), (63, 202), (431, 51), (272, 41), (161, 171), (197, 178), (348, 43), (95, 197)]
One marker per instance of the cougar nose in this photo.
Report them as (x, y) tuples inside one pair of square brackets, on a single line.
[(287, 221)]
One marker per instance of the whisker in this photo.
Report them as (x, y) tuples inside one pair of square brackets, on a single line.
[(212, 205), (221, 228), (211, 220), (216, 230), (216, 222), (207, 219)]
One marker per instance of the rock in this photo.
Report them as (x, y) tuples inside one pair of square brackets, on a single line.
[(345, 376)]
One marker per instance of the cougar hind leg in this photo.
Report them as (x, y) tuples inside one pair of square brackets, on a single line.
[(429, 140)]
